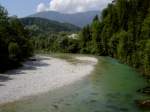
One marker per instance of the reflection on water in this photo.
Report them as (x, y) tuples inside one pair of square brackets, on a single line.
[(111, 88)]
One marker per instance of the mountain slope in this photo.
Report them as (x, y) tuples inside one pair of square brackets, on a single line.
[(78, 19), (41, 25)]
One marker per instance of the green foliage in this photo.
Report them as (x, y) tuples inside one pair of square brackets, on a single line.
[(3, 13), (58, 42), (145, 31), (113, 45), (147, 57), (44, 26), (95, 35), (123, 32), (13, 50), (85, 39), (15, 45), (123, 49)]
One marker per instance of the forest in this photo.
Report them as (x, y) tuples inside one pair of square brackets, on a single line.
[(15, 43), (122, 32)]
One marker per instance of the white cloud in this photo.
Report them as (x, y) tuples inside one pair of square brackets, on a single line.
[(41, 7), (72, 6)]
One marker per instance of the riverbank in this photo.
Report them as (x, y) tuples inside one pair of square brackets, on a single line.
[(42, 75), (111, 87)]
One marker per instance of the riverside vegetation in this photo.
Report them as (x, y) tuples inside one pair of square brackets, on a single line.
[(122, 32), (15, 43)]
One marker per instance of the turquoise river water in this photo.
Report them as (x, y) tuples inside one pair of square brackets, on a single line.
[(112, 87)]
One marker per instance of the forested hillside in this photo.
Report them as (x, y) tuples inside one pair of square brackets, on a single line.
[(123, 32), (45, 26), (15, 45), (77, 19)]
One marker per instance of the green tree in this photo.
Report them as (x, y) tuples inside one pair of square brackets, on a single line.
[(15, 45), (124, 46), (14, 50), (95, 30), (145, 31), (147, 57)]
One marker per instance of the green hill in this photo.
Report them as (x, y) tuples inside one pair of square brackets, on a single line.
[(80, 19), (44, 26)]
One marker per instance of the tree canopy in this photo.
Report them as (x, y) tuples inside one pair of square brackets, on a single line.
[(15, 45), (123, 32)]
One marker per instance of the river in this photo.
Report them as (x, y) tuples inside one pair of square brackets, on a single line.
[(112, 87)]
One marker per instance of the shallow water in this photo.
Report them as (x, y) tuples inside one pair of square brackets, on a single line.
[(110, 88)]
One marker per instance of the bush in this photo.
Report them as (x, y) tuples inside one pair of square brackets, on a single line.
[(14, 50)]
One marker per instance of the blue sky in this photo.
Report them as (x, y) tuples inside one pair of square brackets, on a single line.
[(21, 7)]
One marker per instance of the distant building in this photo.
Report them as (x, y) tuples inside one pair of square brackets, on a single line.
[(73, 36)]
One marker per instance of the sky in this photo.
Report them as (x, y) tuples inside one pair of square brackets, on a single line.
[(22, 8)]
